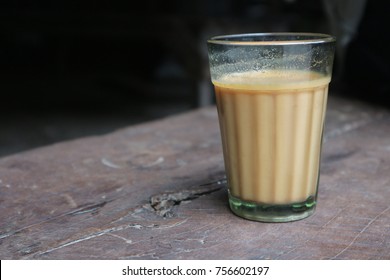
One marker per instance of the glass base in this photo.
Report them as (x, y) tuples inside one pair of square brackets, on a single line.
[(272, 212)]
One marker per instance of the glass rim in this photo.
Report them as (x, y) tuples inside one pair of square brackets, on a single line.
[(311, 38)]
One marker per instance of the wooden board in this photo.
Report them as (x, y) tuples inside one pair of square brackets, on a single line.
[(157, 191)]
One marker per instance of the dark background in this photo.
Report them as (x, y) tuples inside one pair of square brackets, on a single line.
[(74, 69)]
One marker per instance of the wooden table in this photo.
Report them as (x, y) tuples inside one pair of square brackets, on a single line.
[(157, 191)]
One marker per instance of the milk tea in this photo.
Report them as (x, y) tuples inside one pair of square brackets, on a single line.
[(271, 126)]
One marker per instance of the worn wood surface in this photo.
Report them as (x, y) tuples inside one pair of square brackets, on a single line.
[(156, 191)]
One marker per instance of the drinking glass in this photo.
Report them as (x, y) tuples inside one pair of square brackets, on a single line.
[(271, 91)]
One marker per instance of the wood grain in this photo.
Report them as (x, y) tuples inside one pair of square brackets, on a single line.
[(157, 191)]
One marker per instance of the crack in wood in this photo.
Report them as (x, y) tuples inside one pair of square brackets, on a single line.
[(91, 236), (90, 208), (164, 204), (360, 233), (109, 231)]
